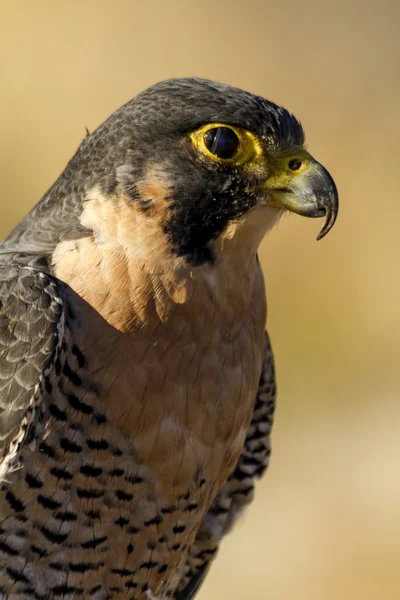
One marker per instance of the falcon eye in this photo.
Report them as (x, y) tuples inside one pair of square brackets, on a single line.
[(222, 141), (226, 144)]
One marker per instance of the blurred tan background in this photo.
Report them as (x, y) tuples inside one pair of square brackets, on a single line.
[(326, 521)]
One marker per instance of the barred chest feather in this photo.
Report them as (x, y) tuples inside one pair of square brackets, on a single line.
[(143, 424)]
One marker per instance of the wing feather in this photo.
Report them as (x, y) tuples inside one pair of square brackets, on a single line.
[(30, 329)]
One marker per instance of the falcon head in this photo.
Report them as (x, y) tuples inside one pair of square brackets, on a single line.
[(209, 163)]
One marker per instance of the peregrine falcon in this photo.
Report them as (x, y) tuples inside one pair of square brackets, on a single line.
[(136, 379)]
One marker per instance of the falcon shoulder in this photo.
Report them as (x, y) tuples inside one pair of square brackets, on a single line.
[(31, 329), (238, 491)]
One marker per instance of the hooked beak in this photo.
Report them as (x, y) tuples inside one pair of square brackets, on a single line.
[(307, 190)]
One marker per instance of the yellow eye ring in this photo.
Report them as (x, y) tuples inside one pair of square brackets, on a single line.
[(243, 145)]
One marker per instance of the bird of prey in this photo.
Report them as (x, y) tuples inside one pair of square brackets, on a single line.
[(136, 379)]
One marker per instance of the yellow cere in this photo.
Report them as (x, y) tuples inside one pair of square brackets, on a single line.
[(249, 147), (287, 167)]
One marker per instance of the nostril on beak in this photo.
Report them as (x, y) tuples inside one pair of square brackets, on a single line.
[(295, 164)]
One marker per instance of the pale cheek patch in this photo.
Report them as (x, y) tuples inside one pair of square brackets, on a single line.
[(121, 222), (126, 264), (118, 223), (100, 215)]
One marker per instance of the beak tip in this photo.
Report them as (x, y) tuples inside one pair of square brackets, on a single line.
[(329, 223)]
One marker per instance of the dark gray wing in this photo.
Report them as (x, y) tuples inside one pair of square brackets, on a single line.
[(238, 490), (30, 328)]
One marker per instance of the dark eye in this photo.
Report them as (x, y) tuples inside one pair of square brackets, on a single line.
[(222, 141)]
